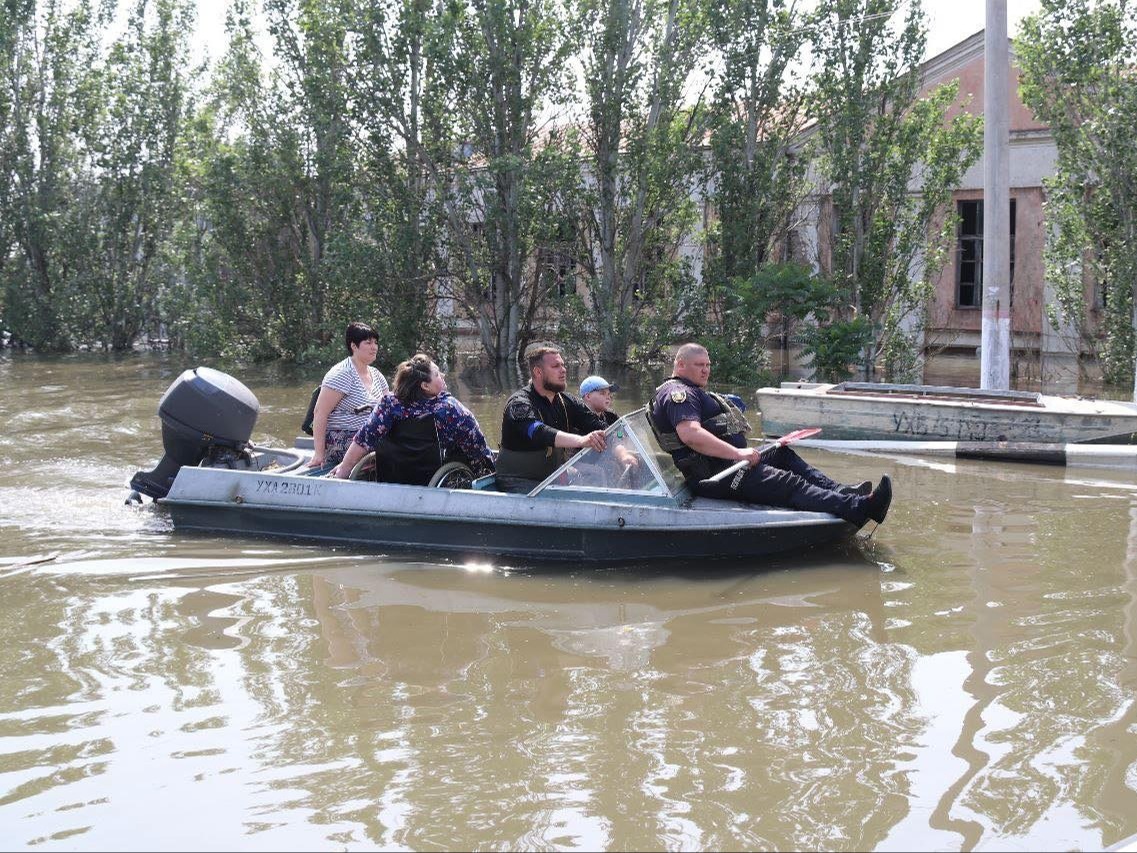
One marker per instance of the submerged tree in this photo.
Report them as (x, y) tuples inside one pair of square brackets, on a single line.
[(126, 205), (756, 181), (876, 134), (51, 60), (643, 134), (88, 152), (296, 234), (509, 191), (1078, 59), (404, 124)]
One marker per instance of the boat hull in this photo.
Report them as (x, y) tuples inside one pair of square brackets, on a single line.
[(848, 416), (473, 523)]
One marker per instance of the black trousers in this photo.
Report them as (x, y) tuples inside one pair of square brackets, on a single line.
[(784, 479)]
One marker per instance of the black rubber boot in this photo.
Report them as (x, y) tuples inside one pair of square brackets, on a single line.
[(879, 500), (863, 488)]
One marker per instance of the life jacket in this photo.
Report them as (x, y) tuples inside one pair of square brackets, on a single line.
[(531, 464), (410, 452)]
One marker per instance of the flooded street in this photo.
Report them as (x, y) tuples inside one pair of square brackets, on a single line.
[(966, 679)]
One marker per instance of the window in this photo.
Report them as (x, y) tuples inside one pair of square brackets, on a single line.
[(1101, 289), (794, 251), (562, 265), (969, 268)]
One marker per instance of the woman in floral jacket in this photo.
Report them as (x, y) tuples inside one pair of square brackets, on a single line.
[(418, 426)]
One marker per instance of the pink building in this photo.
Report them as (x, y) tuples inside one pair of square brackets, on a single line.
[(1040, 354), (952, 328)]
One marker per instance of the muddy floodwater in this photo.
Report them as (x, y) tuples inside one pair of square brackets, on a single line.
[(966, 679)]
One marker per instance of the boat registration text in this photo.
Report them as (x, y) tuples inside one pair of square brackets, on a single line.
[(277, 487)]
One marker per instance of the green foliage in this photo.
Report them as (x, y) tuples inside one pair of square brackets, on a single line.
[(731, 318), (52, 97), (575, 325), (900, 354), (88, 136), (875, 132), (398, 157), (288, 233), (511, 59), (1077, 61), (642, 141), (789, 300), (835, 346), (757, 110)]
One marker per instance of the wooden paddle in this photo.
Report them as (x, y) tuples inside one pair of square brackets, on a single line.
[(788, 438)]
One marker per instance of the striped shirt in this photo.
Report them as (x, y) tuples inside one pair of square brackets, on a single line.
[(344, 379)]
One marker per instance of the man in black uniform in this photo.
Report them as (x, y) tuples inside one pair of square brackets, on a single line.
[(542, 424), (705, 434)]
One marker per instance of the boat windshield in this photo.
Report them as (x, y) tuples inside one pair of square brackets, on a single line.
[(631, 463)]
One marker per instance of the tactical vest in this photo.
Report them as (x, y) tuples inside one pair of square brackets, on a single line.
[(697, 466), (531, 464)]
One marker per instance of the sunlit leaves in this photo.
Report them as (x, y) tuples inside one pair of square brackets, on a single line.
[(1078, 61)]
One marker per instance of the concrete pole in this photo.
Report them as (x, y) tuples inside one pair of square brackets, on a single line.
[(995, 358)]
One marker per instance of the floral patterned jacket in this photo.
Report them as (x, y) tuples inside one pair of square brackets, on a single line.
[(457, 427)]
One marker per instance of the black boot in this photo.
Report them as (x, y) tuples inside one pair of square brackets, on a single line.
[(863, 488), (879, 501)]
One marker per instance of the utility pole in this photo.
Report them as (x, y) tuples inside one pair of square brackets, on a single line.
[(995, 344)]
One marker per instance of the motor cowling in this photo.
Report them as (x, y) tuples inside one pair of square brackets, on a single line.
[(205, 414)]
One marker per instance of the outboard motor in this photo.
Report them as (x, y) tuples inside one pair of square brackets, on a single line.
[(206, 415)]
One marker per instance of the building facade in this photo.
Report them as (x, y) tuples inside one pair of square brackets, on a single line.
[(1039, 353)]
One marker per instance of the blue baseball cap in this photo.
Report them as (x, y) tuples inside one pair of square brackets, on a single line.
[(596, 383)]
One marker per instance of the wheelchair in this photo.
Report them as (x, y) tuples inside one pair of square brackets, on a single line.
[(451, 475)]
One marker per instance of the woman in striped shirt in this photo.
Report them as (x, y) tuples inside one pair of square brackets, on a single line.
[(349, 385)]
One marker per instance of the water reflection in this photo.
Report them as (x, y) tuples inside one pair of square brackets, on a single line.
[(1041, 669), (623, 684), (966, 680)]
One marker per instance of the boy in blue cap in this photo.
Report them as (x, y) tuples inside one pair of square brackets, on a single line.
[(596, 391)]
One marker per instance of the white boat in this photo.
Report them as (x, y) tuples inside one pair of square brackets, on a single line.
[(866, 411), (592, 508)]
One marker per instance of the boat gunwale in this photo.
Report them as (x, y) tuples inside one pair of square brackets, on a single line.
[(1051, 404), (933, 398), (722, 514), (946, 392), (819, 519)]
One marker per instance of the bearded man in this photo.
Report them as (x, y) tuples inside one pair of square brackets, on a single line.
[(542, 425)]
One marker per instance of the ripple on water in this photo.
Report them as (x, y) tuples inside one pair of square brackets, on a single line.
[(201, 568), (308, 696)]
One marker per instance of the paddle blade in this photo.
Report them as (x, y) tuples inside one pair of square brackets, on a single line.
[(798, 434), (789, 438)]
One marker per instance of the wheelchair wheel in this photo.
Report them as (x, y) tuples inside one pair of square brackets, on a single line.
[(452, 475), (365, 469)]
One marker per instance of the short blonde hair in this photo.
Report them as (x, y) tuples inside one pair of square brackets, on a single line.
[(689, 351), (535, 353)]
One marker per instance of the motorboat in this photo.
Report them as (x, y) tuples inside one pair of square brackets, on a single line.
[(868, 411), (627, 503)]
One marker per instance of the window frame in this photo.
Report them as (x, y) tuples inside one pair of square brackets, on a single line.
[(976, 240)]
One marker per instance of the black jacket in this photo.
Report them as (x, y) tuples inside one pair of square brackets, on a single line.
[(531, 422)]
